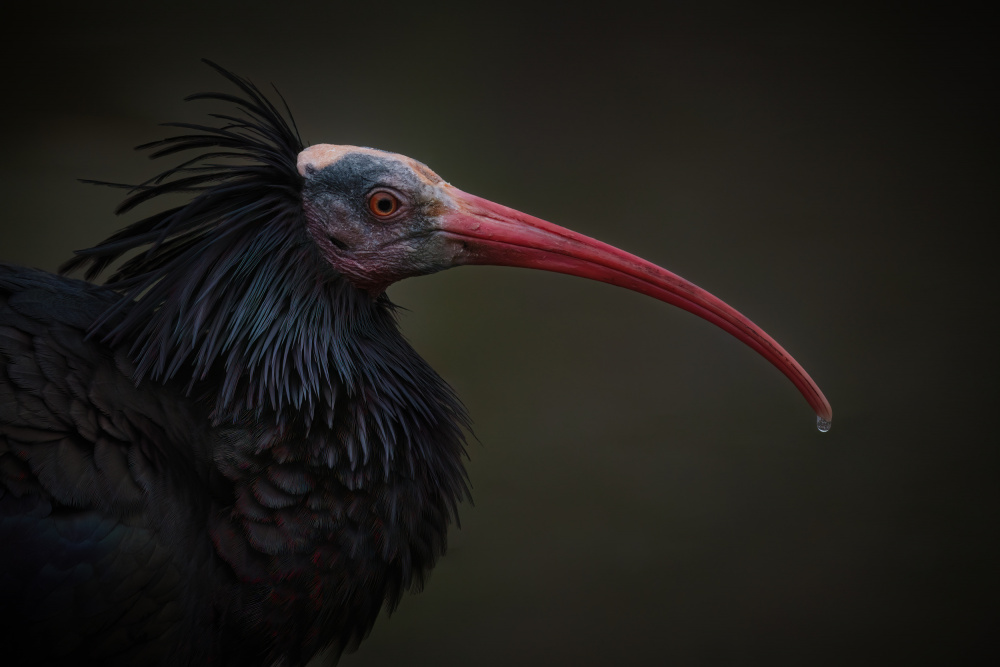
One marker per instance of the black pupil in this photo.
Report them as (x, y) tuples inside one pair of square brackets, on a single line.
[(384, 204)]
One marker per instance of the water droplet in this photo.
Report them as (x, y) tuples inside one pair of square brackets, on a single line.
[(822, 424)]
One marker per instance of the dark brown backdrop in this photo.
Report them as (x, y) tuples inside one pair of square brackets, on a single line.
[(647, 490)]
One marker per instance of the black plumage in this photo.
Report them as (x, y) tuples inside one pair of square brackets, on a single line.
[(226, 414), (228, 453)]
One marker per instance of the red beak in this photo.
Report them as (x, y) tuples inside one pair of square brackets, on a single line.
[(490, 233)]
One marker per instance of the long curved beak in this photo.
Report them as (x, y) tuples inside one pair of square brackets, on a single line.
[(490, 233)]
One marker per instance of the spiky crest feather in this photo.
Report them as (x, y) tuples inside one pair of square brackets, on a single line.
[(231, 276)]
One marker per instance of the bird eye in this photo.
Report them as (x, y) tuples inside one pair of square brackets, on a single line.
[(383, 203)]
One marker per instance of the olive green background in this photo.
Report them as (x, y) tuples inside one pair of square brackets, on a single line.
[(648, 491)]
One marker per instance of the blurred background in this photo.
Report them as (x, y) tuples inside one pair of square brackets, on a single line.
[(647, 490)]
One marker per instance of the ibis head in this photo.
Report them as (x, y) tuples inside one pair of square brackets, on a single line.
[(378, 217)]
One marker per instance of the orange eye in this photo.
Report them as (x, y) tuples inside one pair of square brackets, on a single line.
[(383, 204)]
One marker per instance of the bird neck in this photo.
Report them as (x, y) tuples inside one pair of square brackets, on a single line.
[(332, 519)]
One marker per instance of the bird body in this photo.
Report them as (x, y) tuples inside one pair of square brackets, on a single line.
[(127, 512), (228, 453)]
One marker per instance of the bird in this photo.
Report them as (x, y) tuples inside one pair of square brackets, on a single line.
[(226, 452)]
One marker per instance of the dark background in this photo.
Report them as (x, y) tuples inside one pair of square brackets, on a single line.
[(648, 491)]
